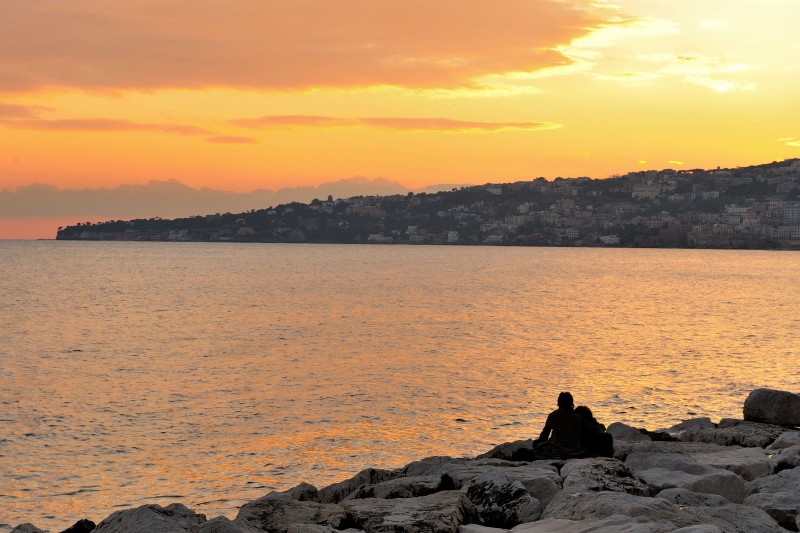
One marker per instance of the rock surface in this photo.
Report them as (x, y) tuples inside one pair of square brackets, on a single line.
[(276, 514), (174, 518), (773, 407), (438, 513)]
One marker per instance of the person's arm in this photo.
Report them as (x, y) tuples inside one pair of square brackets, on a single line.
[(545, 431)]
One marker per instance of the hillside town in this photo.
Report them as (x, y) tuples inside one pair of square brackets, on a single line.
[(756, 207)]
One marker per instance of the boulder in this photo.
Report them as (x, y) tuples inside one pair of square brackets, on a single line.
[(691, 424), (402, 487), (599, 474), (174, 518), (732, 432), (611, 524), (476, 528), (778, 495), (506, 450), (787, 439), (785, 459), (749, 463), (84, 525), (221, 524), (301, 493), (540, 478), (729, 518), (773, 407), (703, 528), (687, 498), (665, 471), (312, 528), (624, 448), (27, 527), (276, 514), (370, 476), (621, 431), (501, 502), (442, 512)]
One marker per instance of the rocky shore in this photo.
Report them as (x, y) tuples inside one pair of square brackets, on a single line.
[(698, 476)]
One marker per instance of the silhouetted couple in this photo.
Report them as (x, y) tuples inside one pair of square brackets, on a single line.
[(569, 432)]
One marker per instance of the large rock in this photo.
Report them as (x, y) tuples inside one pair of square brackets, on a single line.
[(153, 518), (787, 439), (785, 459), (599, 474), (27, 527), (732, 432), (666, 471), (687, 498), (501, 502), (692, 424), (221, 524), (370, 476), (778, 495), (611, 524), (773, 407), (277, 514), (402, 487), (84, 525), (749, 463), (442, 512), (593, 506), (621, 431), (311, 528), (303, 492), (624, 448), (507, 450)]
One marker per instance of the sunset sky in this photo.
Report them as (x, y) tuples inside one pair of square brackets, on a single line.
[(249, 94)]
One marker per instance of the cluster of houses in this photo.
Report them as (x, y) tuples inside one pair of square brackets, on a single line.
[(748, 207)]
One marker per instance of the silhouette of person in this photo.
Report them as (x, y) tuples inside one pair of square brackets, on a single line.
[(562, 435), (596, 441)]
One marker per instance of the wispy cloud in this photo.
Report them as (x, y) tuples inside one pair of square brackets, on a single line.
[(790, 141), (231, 139), (14, 111), (279, 45), (392, 123), (99, 125)]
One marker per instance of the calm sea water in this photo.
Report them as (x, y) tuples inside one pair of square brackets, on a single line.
[(210, 374)]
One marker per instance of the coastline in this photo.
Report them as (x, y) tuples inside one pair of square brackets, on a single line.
[(734, 475)]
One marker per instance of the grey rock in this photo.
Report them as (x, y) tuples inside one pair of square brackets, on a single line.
[(688, 498), (773, 407), (276, 515), (665, 471), (703, 528), (303, 492), (501, 502), (476, 528), (313, 528), (84, 525), (784, 507), (27, 527), (729, 518), (749, 463), (732, 432), (785, 481), (442, 512), (174, 518), (370, 476), (786, 439), (621, 431), (541, 479), (691, 424), (611, 524), (402, 487), (506, 450), (785, 459), (600, 474), (622, 448), (221, 524)]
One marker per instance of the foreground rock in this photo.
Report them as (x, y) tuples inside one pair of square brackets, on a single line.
[(773, 407), (696, 477)]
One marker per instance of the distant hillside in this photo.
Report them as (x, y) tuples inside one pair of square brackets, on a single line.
[(749, 207)]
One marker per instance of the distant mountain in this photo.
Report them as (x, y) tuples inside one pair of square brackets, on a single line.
[(172, 199)]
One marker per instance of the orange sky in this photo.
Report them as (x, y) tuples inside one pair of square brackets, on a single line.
[(248, 94)]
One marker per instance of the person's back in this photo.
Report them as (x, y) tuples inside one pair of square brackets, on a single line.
[(568, 429)]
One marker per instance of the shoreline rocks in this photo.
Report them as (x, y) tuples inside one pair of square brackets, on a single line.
[(734, 476)]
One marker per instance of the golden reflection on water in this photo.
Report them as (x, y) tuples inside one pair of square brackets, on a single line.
[(207, 374)]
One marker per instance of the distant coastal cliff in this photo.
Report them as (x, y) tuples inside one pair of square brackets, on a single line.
[(733, 477), (755, 207)]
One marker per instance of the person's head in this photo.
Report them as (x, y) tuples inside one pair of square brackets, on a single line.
[(584, 412), (565, 401)]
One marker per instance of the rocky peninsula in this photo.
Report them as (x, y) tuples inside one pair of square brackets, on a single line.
[(695, 477)]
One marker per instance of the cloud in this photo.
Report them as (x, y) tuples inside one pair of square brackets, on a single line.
[(280, 45), (171, 199), (12, 111), (231, 139), (790, 141), (100, 125), (392, 123)]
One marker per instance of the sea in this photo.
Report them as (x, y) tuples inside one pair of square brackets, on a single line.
[(213, 373)]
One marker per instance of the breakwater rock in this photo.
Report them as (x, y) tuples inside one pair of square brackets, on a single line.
[(698, 476)]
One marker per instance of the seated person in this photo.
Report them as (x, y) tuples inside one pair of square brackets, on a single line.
[(561, 437), (596, 441)]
